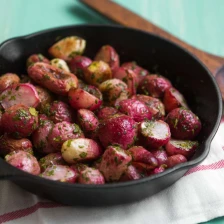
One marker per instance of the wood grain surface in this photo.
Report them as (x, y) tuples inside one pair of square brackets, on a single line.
[(127, 18)]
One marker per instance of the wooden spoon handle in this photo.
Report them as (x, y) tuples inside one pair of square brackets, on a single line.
[(125, 17)]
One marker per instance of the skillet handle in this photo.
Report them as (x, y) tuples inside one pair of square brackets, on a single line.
[(123, 16)]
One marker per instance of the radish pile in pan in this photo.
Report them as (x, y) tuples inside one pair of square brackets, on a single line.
[(77, 120)]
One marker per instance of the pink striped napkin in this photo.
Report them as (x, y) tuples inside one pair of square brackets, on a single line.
[(197, 197)]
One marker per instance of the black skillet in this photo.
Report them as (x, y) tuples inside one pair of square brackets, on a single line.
[(156, 54)]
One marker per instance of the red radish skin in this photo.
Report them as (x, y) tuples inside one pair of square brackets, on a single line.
[(173, 99), (78, 64), (97, 72), (141, 72), (154, 133), (61, 132), (52, 78), (154, 85), (24, 161), (81, 99), (58, 111), (7, 80), (106, 112), (20, 121), (45, 97), (129, 77), (135, 109), (119, 129), (131, 173), (123, 96), (140, 154), (89, 175), (25, 94), (114, 163), (80, 150), (50, 160), (9, 145), (184, 124), (161, 155), (60, 173), (175, 160), (87, 120), (185, 148), (36, 58), (112, 90), (108, 54), (143, 168), (155, 106), (158, 170), (94, 91)]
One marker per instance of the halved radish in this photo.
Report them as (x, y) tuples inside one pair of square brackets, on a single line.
[(137, 110), (140, 154), (129, 77), (185, 148), (114, 163), (175, 160), (161, 155), (173, 99), (23, 93), (131, 173), (155, 133), (159, 169), (81, 99)]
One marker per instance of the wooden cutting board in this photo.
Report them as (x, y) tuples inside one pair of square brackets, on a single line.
[(127, 18)]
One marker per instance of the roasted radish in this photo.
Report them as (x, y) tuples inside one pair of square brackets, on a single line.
[(108, 54), (23, 161), (60, 173), (97, 72), (114, 163), (184, 124), (89, 175), (173, 99), (118, 129), (112, 90), (154, 134), (155, 106), (81, 99), (7, 80), (129, 77), (20, 121), (154, 85), (68, 47), (135, 109), (80, 150), (140, 154), (36, 58), (78, 64), (175, 160), (52, 78), (25, 94), (50, 160), (185, 148)]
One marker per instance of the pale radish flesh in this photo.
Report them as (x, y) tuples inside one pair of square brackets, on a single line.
[(114, 163), (155, 133), (60, 173), (140, 154), (80, 149), (25, 94), (185, 148)]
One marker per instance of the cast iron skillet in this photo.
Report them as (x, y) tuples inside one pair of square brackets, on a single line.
[(156, 54)]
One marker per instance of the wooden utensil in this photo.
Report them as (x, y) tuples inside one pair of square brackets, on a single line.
[(125, 17)]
